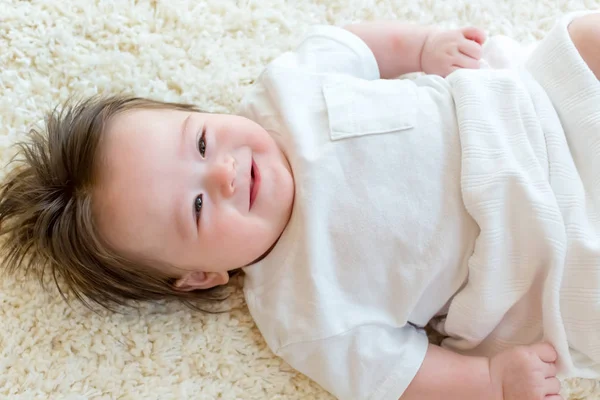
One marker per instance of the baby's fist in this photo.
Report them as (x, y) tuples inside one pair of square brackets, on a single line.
[(445, 51), (525, 373)]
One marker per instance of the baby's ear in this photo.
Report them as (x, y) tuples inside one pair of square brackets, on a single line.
[(201, 280)]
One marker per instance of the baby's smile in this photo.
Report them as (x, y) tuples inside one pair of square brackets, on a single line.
[(254, 182)]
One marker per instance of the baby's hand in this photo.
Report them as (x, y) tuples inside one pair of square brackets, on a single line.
[(525, 373), (447, 50)]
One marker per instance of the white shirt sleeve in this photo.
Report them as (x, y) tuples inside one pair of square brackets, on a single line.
[(368, 362), (325, 50), (330, 49)]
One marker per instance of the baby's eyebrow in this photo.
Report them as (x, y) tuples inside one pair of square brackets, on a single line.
[(183, 212), (182, 136)]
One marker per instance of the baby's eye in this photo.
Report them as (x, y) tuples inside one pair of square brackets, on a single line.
[(198, 207), (202, 143)]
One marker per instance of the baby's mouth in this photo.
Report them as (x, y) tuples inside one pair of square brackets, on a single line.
[(254, 183), (251, 182)]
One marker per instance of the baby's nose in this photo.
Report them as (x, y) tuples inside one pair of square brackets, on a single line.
[(222, 176)]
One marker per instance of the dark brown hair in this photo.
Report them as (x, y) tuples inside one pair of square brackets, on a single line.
[(46, 219)]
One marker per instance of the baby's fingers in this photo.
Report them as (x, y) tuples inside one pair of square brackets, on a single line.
[(470, 49), (474, 34), (550, 370), (552, 386), (545, 352), (463, 61)]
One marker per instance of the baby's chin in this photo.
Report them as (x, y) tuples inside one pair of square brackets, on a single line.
[(267, 252), (261, 257), (282, 216)]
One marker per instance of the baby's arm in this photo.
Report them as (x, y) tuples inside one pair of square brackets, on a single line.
[(404, 48), (585, 33), (450, 376), (519, 373)]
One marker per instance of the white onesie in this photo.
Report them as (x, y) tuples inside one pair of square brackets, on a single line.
[(413, 198)]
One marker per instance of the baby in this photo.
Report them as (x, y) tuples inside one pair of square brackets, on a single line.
[(360, 208)]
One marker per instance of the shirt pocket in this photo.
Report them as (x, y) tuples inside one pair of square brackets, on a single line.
[(359, 107)]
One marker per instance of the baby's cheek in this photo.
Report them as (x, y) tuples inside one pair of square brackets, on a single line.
[(233, 241), (258, 139), (228, 227)]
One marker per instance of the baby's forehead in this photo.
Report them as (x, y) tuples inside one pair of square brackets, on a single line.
[(130, 127), (139, 156), (137, 116)]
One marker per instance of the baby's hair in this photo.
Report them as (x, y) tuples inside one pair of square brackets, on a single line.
[(46, 219)]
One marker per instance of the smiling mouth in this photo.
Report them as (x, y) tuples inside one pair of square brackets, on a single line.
[(254, 183)]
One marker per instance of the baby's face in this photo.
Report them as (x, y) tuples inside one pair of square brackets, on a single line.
[(204, 193)]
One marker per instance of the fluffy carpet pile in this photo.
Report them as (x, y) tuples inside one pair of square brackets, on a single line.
[(203, 52)]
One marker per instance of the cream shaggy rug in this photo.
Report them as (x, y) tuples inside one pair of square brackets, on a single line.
[(203, 52)]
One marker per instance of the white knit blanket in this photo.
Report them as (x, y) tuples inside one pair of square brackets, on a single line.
[(530, 140)]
